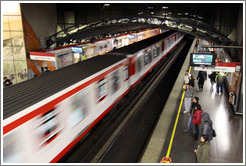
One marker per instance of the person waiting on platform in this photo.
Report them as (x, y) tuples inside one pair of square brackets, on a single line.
[(194, 103), (188, 96), (203, 150), (187, 77), (192, 81), (212, 80), (6, 82), (197, 119), (207, 127), (201, 77), (219, 79)]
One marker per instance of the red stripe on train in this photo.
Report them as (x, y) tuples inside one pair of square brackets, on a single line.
[(66, 149), (54, 102)]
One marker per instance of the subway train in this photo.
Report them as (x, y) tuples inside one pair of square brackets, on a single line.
[(70, 54), (44, 117)]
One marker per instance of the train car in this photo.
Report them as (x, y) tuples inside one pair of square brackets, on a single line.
[(68, 55), (46, 116)]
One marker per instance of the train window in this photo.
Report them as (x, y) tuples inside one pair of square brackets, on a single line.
[(155, 52), (158, 50), (115, 81), (138, 65), (126, 72), (79, 108), (48, 127), (146, 59), (150, 56), (166, 43), (101, 90)]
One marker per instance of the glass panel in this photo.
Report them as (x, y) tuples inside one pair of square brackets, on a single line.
[(21, 77), (5, 23), (79, 108), (17, 38), (8, 67), (7, 41), (7, 53), (150, 56), (115, 82), (20, 67), (6, 35), (146, 58), (19, 53), (101, 90), (15, 23)]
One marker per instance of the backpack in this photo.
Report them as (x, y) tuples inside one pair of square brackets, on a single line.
[(213, 133)]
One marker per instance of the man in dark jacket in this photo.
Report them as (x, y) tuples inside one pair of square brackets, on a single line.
[(207, 126), (212, 80), (201, 77)]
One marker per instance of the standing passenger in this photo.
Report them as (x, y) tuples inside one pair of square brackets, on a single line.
[(220, 83), (188, 96), (197, 119), (207, 127), (202, 151), (194, 103), (202, 76), (192, 81), (187, 77)]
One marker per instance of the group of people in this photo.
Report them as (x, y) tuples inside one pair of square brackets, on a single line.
[(197, 116), (215, 77)]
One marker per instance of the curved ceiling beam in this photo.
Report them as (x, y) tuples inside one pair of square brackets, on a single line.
[(96, 29)]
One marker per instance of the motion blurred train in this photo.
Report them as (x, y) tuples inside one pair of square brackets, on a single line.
[(43, 118)]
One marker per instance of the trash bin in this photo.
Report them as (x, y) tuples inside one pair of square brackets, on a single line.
[(232, 98)]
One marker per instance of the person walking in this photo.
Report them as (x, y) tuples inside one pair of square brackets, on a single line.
[(219, 79), (187, 77), (203, 150), (194, 103), (197, 119), (212, 80), (201, 77), (187, 98)]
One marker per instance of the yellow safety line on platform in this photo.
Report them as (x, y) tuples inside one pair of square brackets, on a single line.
[(176, 122)]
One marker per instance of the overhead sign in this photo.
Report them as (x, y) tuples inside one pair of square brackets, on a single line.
[(42, 56), (77, 50)]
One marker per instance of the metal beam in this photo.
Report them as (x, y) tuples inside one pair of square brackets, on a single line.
[(218, 46)]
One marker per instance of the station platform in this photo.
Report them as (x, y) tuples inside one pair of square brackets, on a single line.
[(169, 140)]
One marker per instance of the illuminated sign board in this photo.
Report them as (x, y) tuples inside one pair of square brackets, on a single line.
[(77, 50), (202, 59)]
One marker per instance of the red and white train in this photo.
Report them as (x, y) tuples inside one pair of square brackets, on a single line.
[(43, 118)]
